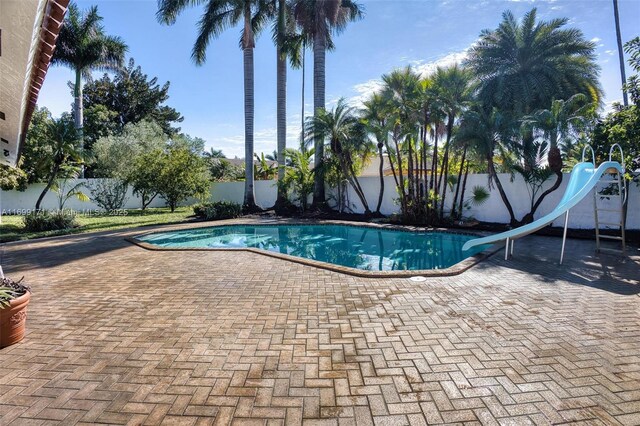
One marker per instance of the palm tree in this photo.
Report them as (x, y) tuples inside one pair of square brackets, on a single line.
[(263, 168), (522, 66), (318, 20), (489, 132), (63, 154), (451, 86), (299, 176), (289, 44), (346, 138), (404, 91), (219, 15), (623, 75), (377, 123), (83, 46), (558, 125), (214, 153)]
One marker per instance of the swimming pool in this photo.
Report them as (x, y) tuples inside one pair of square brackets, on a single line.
[(363, 248)]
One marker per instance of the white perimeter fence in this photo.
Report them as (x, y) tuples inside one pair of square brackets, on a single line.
[(492, 210)]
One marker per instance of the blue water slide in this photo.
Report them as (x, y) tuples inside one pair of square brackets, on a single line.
[(584, 177)]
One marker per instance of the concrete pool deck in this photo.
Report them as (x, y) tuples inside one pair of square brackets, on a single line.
[(122, 335)]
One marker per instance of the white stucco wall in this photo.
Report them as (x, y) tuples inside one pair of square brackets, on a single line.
[(493, 210)]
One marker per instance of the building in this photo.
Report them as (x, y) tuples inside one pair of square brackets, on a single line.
[(28, 33)]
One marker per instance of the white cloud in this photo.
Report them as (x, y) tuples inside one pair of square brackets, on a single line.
[(450, 59), (596, 39), (365, 90)]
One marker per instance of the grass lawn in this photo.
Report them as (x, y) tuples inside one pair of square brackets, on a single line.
[(12, 227)]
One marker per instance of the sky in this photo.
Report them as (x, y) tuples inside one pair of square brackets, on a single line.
[(392, 34)]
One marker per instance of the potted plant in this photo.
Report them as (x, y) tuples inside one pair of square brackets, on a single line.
[(14, 298)]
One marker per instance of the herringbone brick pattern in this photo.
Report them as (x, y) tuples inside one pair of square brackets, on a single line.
[(121, 335)]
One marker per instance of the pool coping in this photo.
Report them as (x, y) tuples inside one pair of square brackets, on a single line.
[(455, 269)]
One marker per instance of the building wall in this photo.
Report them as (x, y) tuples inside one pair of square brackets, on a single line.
[(492, 210)]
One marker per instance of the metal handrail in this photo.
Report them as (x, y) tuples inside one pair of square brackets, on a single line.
[(593, 154), (621, 154)]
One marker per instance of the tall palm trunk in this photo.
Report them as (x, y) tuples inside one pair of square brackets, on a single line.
[(78, 110), (248, 45), (464, 187), (623, 76), (319, 56), (304, 53), (493, 175), (381, 173), (78, 113), (445, 164), (458, 184), (281, 113)]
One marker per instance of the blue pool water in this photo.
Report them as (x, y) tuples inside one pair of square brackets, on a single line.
[(357, 247)]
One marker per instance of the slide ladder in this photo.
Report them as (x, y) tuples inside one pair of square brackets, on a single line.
[(585, 179), (611, 186)]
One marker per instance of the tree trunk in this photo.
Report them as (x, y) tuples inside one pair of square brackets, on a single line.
[(381, 172), (464, 188), (78, 114), (445, 164), (281, 88), (147, 199), (434, 171), (319, 56), (401, 189), (249, 194), (458, 184), (353, 179), (52, 178), (493, 175), (304, 69), (623, 76), (528, 218), (78, 110)]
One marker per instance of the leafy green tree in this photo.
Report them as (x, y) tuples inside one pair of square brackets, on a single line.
[(621, 126), (182, 174), (115, 155), (129, 97), (222, 170), (12, 178), (36, 152), (83, 46), (632, 86), (99, 122), (143, 176), (319, 19), (219, 15)]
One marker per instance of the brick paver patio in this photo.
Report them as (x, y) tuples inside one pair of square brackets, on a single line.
[(121, 335)]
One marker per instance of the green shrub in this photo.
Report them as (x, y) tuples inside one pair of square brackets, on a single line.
[(217, 210), (39, 221)]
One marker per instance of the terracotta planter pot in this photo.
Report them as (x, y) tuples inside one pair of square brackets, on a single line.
[(13, 320)]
